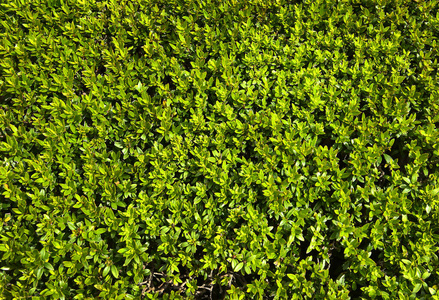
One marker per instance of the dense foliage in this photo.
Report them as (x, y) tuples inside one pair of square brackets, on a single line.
[(250, 149)]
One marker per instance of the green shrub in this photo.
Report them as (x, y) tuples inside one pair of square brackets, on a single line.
[(219, 149)]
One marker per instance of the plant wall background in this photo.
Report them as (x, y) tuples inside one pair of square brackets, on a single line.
[(219, 149)]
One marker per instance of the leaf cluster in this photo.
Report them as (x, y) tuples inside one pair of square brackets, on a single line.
[(219, 149)]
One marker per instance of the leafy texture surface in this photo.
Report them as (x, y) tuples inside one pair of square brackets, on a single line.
[(219, 149)]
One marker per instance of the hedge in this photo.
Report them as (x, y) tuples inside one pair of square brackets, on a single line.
[(229, 149)]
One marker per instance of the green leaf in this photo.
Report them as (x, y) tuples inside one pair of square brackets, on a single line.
[(387, 158), (14, 129), (427, 209), (292, 277), (417, 288), (114, 271), (48, 266), (106, 270), (68, 264), (238, 267), (426, 275), (139, 86), (100, 231), (43, 254), (39, 273), (17, 211), (56, 244), (247, 269)]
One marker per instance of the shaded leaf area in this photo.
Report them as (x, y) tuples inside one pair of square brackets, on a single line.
[(219, 149)]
